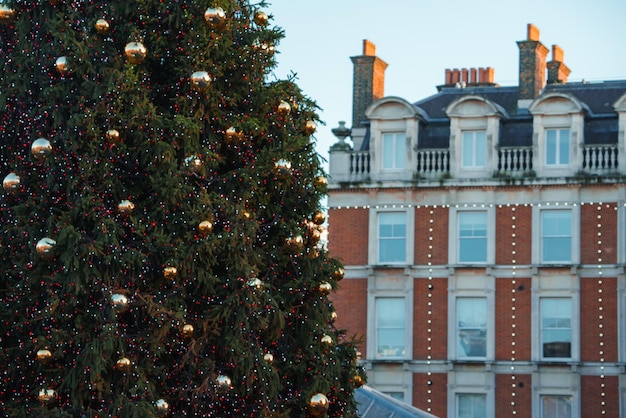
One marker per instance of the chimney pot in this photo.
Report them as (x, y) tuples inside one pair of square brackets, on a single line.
[(464, 76), (472, 76), (369, 48), (557, 53), (532, 32), (448, 76)]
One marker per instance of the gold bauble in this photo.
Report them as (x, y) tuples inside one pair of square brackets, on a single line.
[(162, 407), (232, 135), (44, 248), (47, 396), (294, 244), (44, 356), (310, 127), (282, 168), (135, 52), (264, 46), (119, 302), (215, 17), (102, 26), (255, 283), (333, 316), (324, 288), (318, 217), (339, 273), (283, 108), (193, 164), (321, 182), (123, 365), (205, 227), (200, 81), (112, 135), (357, 380), (223, 382), (6, 13), (11, 182), (314, 236), (327, 340), (187, 330), (261, 18), (125, 207), (269, 358), (62, 65), (41, 148), (170, 273), (318, 405)]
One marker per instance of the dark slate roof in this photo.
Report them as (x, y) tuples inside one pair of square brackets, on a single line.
[(374, 404)]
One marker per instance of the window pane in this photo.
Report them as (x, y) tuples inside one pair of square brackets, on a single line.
[(392, 237), (481, 149), (564, 147), (556, 327), (556, 406), (551, 147), (399, 151), (467, 148), (473, 149), (393, 149), (471, 327), (472, 237), (556, 235), (390, 327), (471, 406), (388, 152)]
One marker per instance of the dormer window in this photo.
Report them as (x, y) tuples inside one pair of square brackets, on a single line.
[(474, 149), (394, 151), (557, 150)]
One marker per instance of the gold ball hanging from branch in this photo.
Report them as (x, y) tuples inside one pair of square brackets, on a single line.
[(321, 182), (162, 408), (6, 13), (261, 18), (294, 244), (44, 356), (11, 182), (324, 288), (123, 365), (283, 108), (333, 316), (41, 148), (47, 396), (120, 302), (193, 164), (205, 227), (44, 248), (112, 135), (318, 405), (170, 272), (125, 207), (223, 382), (282, 168), (62, 65), (102, 26), (357, 380), (255, 283), (269, 358), (187, 330), (310, 127), (339, 273), (215, 17), (135, 52), (200, 81), (327, 340), (318, 217), (315, 235), (232, 135)]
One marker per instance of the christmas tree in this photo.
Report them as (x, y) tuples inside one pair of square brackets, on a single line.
[(161, 218)]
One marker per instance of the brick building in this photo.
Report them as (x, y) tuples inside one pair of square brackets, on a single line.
[(483, 233)]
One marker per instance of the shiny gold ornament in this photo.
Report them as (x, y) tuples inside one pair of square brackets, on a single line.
[(294, 244), (283, 108), (6, 13), (339, 273), (223, 382), (123, 365), (232, 135), (47, 396), (112, 135), (187, 330), (215, 17), (269, 358), (314, 236), (282, 169), (125, 207), (263, 46), (11, 182), (318, 217), (200, 81), (119, 302), (41, 148), (255, 283), (162, 407), (321, 182), (102, 26), (324, 288), (333, 316), (44, 248), (318, 405), (62, 65), (135, 52), (205, 227), (44, 356), (327, 340), (193, 164), (170, 273), (261, 18), (310, 127), (357, 380)]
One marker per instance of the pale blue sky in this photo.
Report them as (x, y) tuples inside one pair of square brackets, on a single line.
[(419, 39)]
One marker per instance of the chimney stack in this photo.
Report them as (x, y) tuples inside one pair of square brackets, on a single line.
[(557, 70), (368, 81), (469, 77), (532, 66)]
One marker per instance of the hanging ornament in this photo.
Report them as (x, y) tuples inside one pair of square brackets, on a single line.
[(255, 283), (315, 235), (263, 46), (282, 169), (333, 316), (324, 288), (44, 248), (170, 273), (200, 81), (294, 244), (193, 164), (327, 340), (119, 302), (339, 273), (6, 13), (283, 108), (261, 18), (321, 182), (123, 365), (41, 148), (269, 358), (62, 65), (205, 227), (112, 135), (187, 330), (125, 207), (135, 52), (102, 26), (318, 405), (47, 396), (310, 127), (215, 17), (11, 182), (318, 217), (357, 380), (231, 135), (162, 407), (44, 356), (223, 382)]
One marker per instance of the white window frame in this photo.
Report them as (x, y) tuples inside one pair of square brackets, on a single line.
[(472, 136), (558, 132), (374, 247), (537, 234), (457, 403), (399, 156), (372, 327), (460, 355), (378, 327), (460, 239), (537, 346), (453, 334), (541, 328), (453, 234), (539, 392), (545, 395)]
